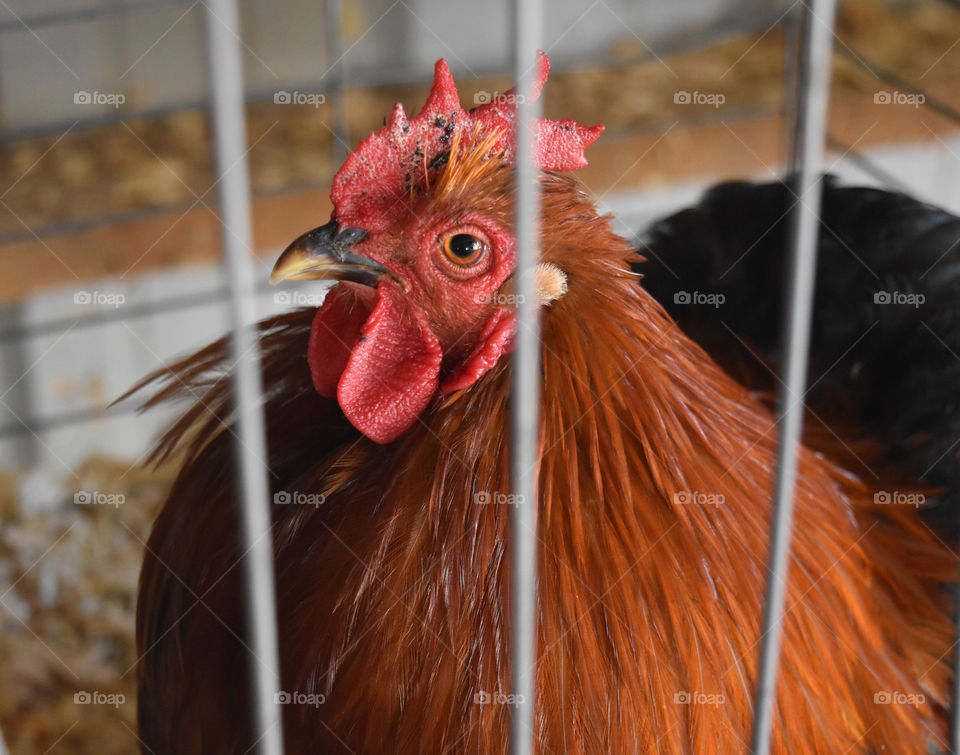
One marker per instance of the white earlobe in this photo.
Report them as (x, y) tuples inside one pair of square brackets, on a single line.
[(551, 283)]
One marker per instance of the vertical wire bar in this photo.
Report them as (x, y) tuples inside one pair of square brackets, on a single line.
[(226, 83), (814, 80), (525, 413), (955, 700), (795, 31), (337, 75)]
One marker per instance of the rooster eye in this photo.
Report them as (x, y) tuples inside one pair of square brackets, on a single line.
[(463, 248)]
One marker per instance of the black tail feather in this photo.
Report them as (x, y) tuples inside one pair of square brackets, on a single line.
[(885, 343)]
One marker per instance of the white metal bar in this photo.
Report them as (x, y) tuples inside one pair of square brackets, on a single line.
[(337, 78), (955, 687), (795, 29), (814, 80), (526, 387), (226, 83)]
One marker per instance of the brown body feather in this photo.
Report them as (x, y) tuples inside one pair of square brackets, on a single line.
[(393, 596)]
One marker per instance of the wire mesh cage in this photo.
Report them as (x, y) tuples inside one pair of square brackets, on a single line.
[(158, 157)]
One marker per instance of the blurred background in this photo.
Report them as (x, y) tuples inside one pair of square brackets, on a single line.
[(110, 232)]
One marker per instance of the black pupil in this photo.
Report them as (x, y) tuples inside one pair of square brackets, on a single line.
[(464, 246)]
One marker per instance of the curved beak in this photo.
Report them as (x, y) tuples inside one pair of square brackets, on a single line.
[(324, 254)]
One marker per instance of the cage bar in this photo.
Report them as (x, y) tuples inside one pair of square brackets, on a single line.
[(813, 82), (795, 29), (955, 685), (525, 411), (229, 131), (337, 76)]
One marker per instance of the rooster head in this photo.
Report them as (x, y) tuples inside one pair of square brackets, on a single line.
[(421, 246)]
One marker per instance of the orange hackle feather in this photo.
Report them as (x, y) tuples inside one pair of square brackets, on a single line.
[(656, 472)]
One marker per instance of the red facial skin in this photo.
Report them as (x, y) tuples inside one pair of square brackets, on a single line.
[(386, 354), (455, 299)]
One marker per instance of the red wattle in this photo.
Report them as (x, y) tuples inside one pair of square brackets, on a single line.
[(377, 354), (392, 373), (335, 331), (495, 340)]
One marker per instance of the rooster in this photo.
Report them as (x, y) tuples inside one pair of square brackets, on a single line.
[(387, 407)]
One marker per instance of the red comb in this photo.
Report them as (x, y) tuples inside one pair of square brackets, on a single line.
[(382, 168)]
